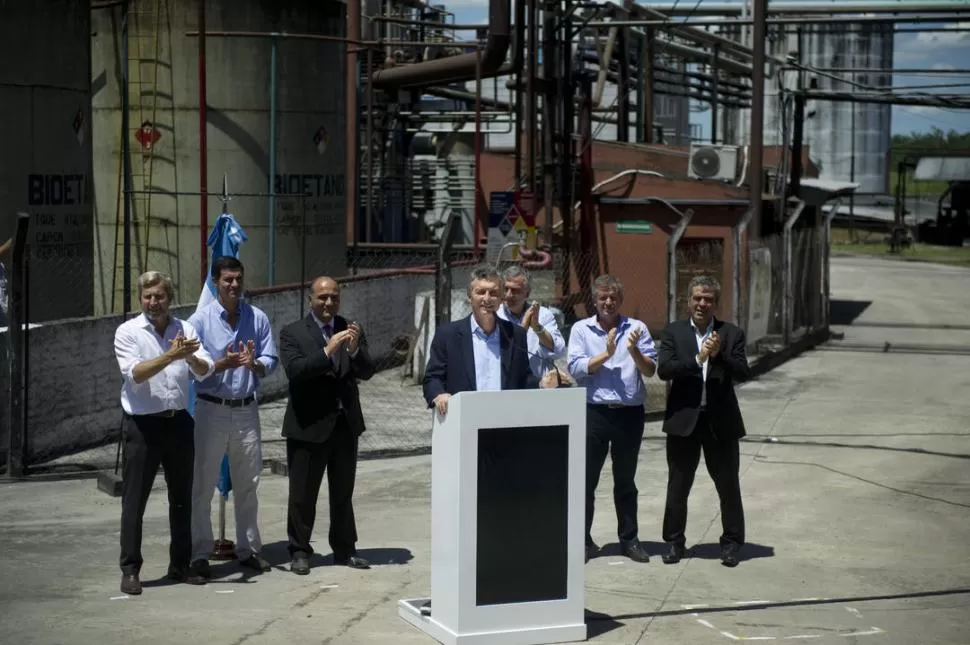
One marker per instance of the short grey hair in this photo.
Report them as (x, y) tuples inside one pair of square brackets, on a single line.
[(485, 272), (607, 282), (707, 282), (153, 278), (516, 271)]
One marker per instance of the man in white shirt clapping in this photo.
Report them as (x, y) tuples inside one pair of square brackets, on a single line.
[(157, 354)]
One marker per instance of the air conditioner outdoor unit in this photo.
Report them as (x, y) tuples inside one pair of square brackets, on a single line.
[(718, 163)]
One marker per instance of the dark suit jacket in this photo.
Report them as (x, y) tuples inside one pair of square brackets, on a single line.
[(451, 361), (317, 384), (677, 363)]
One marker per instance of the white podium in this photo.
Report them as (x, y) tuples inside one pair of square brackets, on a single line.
[(508, 472)]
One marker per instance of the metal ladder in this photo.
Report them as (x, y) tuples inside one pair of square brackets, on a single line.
[(142, 66)]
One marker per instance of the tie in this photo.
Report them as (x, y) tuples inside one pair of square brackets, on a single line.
[(327, 331)]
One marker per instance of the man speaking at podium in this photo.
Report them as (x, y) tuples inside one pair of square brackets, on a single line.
[(608, 353), (480, 352)]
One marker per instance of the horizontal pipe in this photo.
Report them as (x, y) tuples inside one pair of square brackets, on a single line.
[(484, 63), (279, 34), (832, 20), (674, 8), (591, 55), (895, 72), (938, 100), (425, 23)]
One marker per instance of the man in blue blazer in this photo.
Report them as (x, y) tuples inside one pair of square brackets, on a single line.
[(480, 352)]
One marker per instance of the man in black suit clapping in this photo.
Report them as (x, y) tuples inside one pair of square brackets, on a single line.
[(323, 357), (703, 357)]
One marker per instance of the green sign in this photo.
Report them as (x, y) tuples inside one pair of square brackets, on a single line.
[(635, 226)]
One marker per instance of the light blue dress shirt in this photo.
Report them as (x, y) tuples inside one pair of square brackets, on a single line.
[(212, 325), (488, 358), (541, 360), (617, 381)]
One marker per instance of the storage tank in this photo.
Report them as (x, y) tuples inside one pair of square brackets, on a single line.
[(828, 132), (305, 155), (45, 149)]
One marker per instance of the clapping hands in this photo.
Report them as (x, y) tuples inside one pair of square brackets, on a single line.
[(181, 347)]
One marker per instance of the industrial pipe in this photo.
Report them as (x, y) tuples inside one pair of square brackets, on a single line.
[(271, 215), (661, 24), (826, 248), (672, 241), (826, 7), (788, 295), (352, 125), (462, 67), (203, 155), (736, 309)]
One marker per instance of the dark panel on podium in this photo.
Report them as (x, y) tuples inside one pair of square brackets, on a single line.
[(523, 483)]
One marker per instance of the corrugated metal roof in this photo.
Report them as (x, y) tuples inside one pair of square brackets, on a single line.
[(942, 169)]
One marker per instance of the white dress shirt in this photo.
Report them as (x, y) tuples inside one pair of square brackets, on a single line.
[(136, 341), (700, 337)]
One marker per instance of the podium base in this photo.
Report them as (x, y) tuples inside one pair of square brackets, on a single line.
[(410, 610)]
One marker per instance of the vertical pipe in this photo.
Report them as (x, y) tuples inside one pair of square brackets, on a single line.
[(478, 152), (271, 215), (203, 150), (549, 117), (623, 87), (646, 71), (714, 94), (530, 90), (368, 190), (758, 108), (126, 165), (352, 119)]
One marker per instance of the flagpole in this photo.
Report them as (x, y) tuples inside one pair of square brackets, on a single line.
[(223, 549)]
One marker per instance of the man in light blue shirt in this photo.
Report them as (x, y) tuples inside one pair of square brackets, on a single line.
[(608, 355), (239, 337), (545, 341)]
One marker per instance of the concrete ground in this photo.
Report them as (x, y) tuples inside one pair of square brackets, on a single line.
[(856, 483)]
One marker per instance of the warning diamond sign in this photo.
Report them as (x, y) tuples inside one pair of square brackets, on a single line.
[(78, 126)]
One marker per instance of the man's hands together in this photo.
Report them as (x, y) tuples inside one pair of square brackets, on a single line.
[(349, 337), (710, 347)]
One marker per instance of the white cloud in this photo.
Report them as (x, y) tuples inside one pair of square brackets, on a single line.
[(943, 66), (947, 38)]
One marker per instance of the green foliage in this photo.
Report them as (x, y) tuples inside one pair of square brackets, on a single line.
[(924, 144)]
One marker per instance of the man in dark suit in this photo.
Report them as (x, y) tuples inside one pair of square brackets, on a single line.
[(323, 357), (481, 351), (703, 357)]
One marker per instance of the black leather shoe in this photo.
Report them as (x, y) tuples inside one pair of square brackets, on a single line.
[(635, 551), (591, 550), (300, 565), (130, 584), (674, 555), (256, 561), (186, 575), (354, 562), (729, 555), (201, 567)]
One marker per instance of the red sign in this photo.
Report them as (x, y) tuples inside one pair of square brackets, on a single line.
[(147, 135)]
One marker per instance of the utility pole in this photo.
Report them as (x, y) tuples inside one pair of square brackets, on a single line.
[(759, 29)]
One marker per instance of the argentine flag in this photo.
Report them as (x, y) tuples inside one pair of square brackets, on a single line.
[(226, 238)]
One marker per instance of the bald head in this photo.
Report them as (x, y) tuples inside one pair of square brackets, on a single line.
[(324, 298)]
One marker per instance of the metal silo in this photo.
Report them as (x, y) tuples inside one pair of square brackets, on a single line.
[(829, 125), (275, 113), (45, 149)]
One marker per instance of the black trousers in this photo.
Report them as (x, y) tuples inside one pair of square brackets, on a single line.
[(150, 442), (722, 458), (619, 432), (307, 462)]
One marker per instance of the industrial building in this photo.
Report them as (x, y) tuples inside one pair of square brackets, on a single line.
[(345, 135)]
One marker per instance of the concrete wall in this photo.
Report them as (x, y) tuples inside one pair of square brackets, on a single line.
[(306, 172), (74, 385), (45, 149)]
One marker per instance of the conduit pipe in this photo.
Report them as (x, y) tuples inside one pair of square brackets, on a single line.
[(789, 296), (464, 66)]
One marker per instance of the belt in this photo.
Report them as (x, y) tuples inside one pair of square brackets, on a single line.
[(232, 403), (615, 406), (164, 414)]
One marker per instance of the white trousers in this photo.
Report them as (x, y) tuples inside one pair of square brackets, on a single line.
[(220, 429)]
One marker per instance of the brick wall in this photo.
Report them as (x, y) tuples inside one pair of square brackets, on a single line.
[(74, 385)]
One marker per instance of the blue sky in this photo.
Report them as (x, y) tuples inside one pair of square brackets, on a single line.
[(928, 50)]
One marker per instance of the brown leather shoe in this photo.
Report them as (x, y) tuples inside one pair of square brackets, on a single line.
[(130, 584)]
